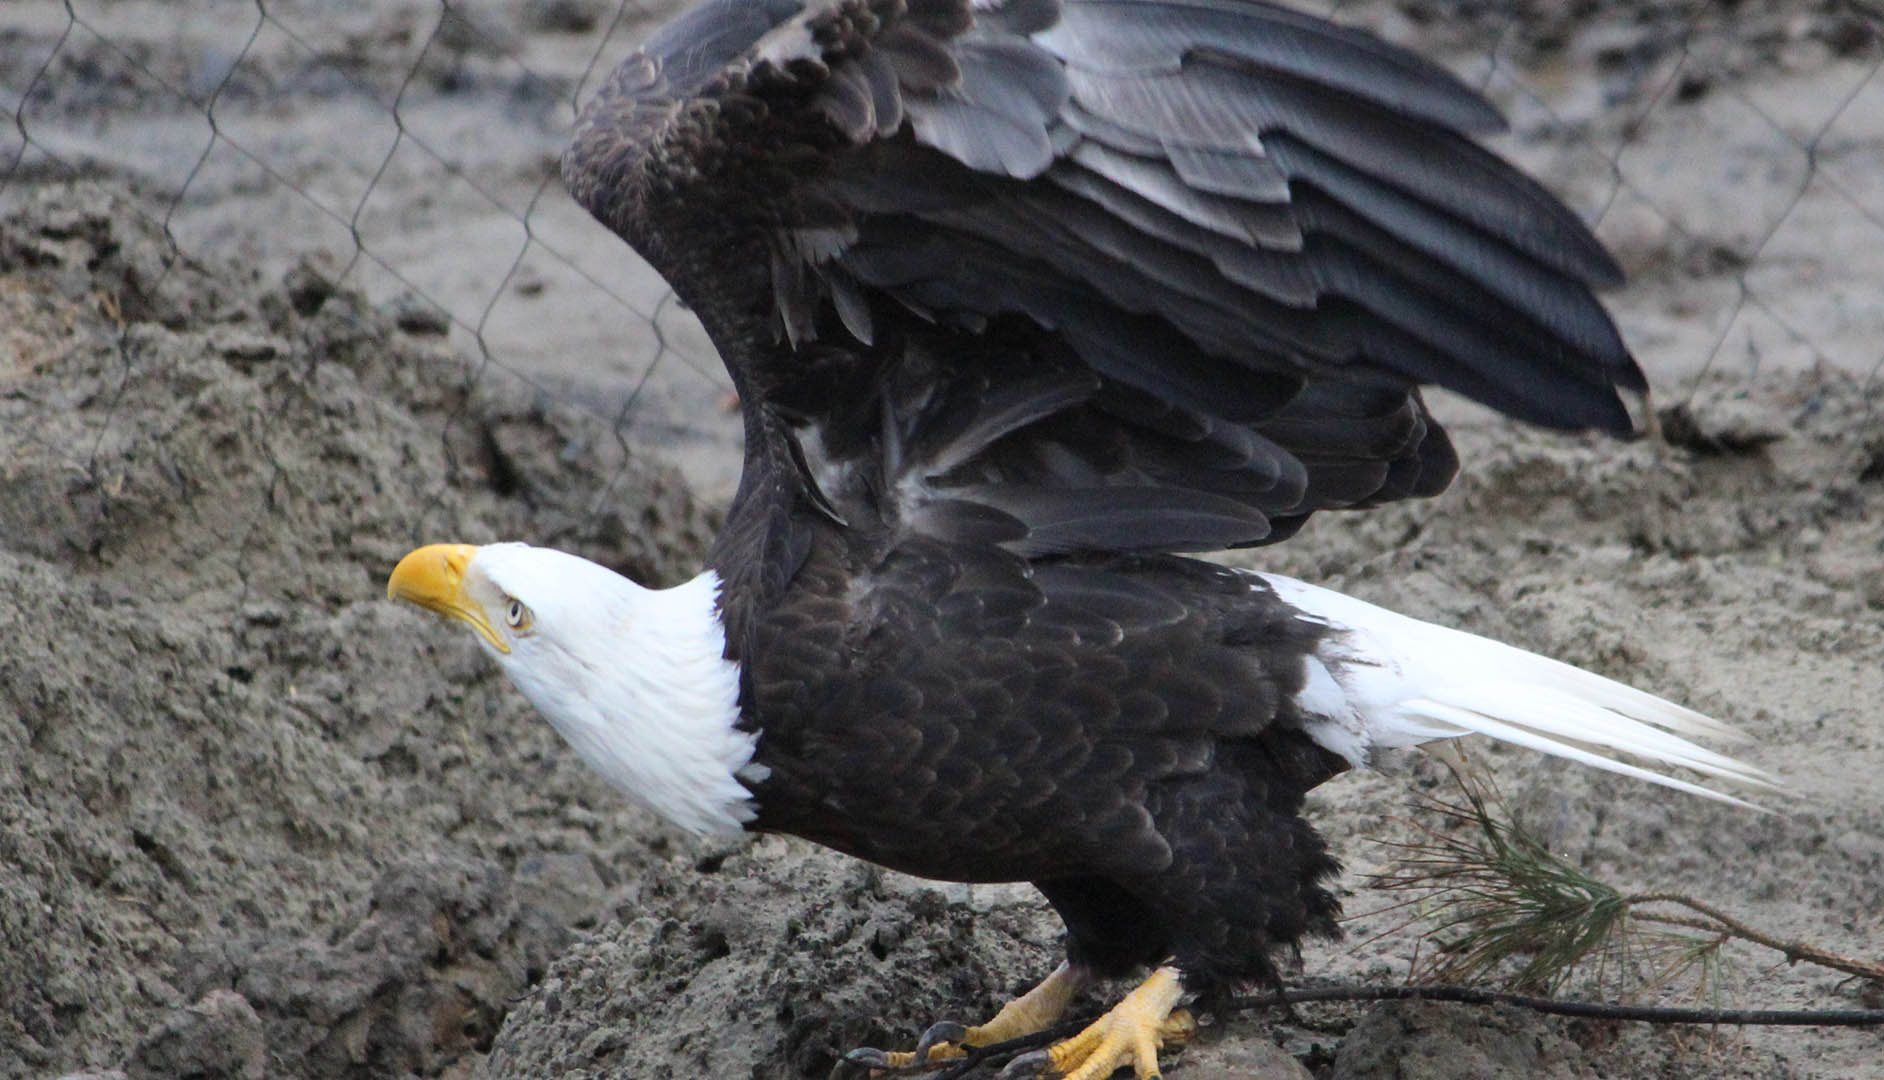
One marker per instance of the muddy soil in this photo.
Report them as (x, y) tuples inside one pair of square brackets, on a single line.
[(229, 766), (255, 821), (1735, 573)]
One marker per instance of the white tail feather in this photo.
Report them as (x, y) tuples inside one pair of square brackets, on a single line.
[(1384, 680)]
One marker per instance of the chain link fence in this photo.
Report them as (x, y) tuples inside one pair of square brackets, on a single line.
[(222, 741), (1730, 151)]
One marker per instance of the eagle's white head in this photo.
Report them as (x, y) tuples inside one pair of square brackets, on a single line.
[(635, 679)]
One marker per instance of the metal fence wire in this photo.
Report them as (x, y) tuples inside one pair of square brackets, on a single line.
[(219, 683), (1730, 151)]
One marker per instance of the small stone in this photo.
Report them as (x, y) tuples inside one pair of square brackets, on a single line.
[(1726, 427), (562, 16), (243, 347), (1417, 1040), (1246, 1054), (311, 283), (418, 316), (218, 1037)]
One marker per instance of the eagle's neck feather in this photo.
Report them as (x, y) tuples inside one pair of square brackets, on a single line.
[(649, 699)]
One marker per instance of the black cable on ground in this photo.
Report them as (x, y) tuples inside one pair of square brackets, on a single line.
[(1597, 1010)]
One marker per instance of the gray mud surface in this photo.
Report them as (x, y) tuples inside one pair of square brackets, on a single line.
[(255, 821), (226, 763)]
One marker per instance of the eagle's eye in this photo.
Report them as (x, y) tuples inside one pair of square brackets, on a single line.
[(517, 615)]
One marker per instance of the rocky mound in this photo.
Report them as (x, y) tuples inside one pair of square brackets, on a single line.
[(257, 820)]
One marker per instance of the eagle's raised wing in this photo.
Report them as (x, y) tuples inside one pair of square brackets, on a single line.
[(1099, 274)]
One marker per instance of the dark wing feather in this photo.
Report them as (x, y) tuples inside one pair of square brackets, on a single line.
[(1123, 37), (1069, 276)]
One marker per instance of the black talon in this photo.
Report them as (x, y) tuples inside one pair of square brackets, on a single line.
[(868, 1057), (942, 1031), (1027, 1066)]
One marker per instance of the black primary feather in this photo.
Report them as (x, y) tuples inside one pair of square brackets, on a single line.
[(1020, 297)]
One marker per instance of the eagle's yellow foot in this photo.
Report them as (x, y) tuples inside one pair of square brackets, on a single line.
[(1131, 1034), (1024, 1015)]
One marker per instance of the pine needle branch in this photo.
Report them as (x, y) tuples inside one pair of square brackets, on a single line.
[(1496, 897)]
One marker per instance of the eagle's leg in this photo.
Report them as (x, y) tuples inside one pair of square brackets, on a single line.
[(1130, 1034), (1024, 1015)]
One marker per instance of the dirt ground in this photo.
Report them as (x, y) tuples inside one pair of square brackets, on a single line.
[(256, 821)]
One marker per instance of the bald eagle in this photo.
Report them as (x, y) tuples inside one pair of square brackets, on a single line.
[(1025, 302)]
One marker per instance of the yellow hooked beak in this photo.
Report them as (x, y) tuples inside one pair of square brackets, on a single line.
[(433, 578)]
